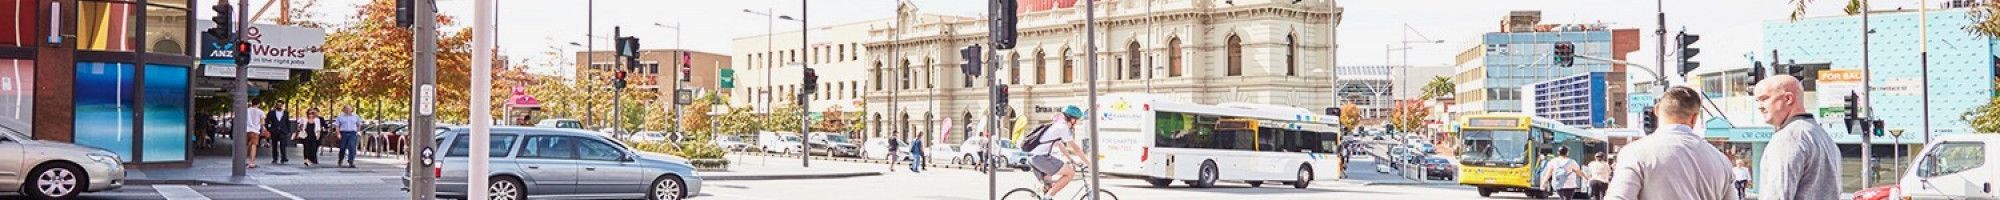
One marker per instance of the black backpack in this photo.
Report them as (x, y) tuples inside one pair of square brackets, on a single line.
[(1034, 138)]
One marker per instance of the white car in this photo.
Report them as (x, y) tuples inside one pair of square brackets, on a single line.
[(775, 143), (55, 170), (942, 153), (730, 142), (1954, 167)]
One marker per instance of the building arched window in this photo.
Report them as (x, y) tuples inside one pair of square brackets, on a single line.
[(1041, 67), (1068, 67), (1014, 71), (1291, 56), (1174, 57), (1133, 63), (1235, 56), (930, 73), (906, 75), (878, 76)]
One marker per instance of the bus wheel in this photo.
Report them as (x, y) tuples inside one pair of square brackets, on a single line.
[(1159, 182), (1255, 183), (1537, 194), (1485, 192), (1305, 177), (1208, 175)]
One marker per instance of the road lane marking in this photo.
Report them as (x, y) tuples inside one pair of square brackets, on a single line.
[(281, 193), (178, 192)]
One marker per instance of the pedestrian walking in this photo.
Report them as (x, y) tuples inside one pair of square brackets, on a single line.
[(1742, 175), (281, 127), (895, 147), (1671, 163), (1801, 161), (349, 126), (312, 129), (1562, 175), (256, 131), (1600, 176), (916, 155)]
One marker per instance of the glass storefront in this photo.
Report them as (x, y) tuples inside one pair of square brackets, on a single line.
[(104, 106), (166, 117), (17, 95)]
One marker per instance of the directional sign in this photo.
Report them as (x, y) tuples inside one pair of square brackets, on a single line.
[(427, 153)]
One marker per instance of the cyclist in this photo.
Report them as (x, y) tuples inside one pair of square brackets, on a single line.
[(1044, 161)]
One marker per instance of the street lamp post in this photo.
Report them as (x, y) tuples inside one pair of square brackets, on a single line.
[(676, 91)]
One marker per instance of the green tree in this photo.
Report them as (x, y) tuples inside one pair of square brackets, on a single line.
[(1438, 87)]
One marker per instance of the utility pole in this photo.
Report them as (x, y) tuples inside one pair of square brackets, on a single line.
[(424, 55), (1090, 46), (482, 82), (1924, 57), (805, 105), (589, 57), (238, 166), (616, 119), (1660, 79), (1867, 143)]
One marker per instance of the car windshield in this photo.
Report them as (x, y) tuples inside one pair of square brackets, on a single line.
[(13, 133), (1006, 144), (837, 138), (1494, 147)]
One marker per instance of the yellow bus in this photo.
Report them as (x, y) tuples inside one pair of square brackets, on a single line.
[(1504, 152)]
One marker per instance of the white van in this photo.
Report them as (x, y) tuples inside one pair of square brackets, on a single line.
[(778, 142), (1954, 167)]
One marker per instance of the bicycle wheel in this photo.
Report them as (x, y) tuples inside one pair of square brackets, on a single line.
[(1022, 194), (1102, 195)]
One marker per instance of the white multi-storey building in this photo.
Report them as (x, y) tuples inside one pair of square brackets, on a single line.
[(1201, 51)]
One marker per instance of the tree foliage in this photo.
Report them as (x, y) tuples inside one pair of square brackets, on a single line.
[(1409, 116), (1350, 117), (1439, 86)]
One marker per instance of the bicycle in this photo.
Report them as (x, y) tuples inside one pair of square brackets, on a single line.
[(1036, 193)]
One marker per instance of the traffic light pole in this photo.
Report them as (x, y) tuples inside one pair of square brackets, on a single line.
[(424, 78), (482, 86), (1867, 140), (239, 162), (805, 106)]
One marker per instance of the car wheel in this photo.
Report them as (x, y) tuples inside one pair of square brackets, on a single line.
[(506, 188), (1208, 175), (1159, 182), (668, 187), (1305, 177), (56, 181)]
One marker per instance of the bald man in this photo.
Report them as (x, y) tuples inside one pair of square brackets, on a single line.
[(1801, 162)]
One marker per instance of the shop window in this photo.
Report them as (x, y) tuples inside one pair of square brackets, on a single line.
[(166, 27), (17, 81), (22, 16), (166, 121), (106, 26), (104, 118)]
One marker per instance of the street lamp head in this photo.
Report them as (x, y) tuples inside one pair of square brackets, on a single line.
[(787, 17), (1437, 42)]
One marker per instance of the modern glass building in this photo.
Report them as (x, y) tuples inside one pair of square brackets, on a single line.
[(1490, 76), (1578, 100), (111, 74), (1962, 64)]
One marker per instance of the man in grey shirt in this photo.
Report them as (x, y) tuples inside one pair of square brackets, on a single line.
[(1672, 163), (1801, 162)]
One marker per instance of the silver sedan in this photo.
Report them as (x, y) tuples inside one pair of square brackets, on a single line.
[(550, 163), (55, 170)]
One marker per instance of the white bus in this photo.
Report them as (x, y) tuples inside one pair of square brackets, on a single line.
[(1163, 141)]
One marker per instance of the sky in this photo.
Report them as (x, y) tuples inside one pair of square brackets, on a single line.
[(1730, 29)]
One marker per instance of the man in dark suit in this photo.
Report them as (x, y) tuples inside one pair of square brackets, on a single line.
[(280, 123)]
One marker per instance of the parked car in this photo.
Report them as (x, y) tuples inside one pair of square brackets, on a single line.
[(778, 143), (942, 153), (1439, 168), (834, 144), (560, 123), (1424, 147), (564, 163), (649, 136), (1011, 155), (56, 170), (1954, 167), (1880, 192), (730, 142)]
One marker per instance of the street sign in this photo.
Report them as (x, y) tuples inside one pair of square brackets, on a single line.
[(427, 153), (683, 96), (426, 99), (726, 79)]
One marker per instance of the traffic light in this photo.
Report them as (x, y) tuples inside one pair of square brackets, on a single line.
[(618, 79), (406, 13), (224, 29), (811, 82), (971, 56), (1002, 24), (1565, 54), (1756, 75), (1687, 52), (686, 67), (1000, 100), (628, 46), (1875, 126), (1852, 104), (242, 53), (1648, 122)]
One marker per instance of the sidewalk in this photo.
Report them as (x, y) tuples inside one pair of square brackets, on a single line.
[(745, 167), (212, 166), (934, 164)]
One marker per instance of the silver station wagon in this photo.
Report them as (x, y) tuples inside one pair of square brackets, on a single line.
[(555, 163)]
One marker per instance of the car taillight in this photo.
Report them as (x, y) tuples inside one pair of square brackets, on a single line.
[(437, 171)]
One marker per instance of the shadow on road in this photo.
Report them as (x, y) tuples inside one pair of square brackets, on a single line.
[(1279, 189)]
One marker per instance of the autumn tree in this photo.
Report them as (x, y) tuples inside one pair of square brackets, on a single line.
[(1350, 117), (1409, 116)]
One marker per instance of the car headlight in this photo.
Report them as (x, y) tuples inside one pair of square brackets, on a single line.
[(102, 157)]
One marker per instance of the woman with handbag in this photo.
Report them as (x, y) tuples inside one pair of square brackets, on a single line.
[(310, 124)]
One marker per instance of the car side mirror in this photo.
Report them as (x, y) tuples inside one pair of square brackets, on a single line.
[(628, 158)]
